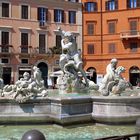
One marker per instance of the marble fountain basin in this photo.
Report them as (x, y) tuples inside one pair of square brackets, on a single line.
[(72, 108)]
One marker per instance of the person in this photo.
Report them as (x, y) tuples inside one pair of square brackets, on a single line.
[(70, 59)]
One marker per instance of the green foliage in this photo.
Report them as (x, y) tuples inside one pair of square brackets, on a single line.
[(56, 50)]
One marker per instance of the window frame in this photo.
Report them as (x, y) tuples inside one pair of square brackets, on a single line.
[(91, 24), (133, 29), (44, 18), (112, 30), (9, 9), (112, 48), (24, 14), (90, 7), (90, 49), (20, 10), (131, 4), (57, 12), (70, 13), (111, 5), (42, 50)]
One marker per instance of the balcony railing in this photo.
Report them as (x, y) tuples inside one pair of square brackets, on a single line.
[(24, 48), (6, 49), (130, 34), (40, 52), (42, 24)]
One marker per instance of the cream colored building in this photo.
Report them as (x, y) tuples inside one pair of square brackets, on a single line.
[(28, 29)]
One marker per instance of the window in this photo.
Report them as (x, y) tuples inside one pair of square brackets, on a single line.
[(5, 41), (133, 3), (72, 17), (111, 27), (4, 60), (24, 42), (42, 43), (90, 28), (42, 15), (4, 38), (133, 27), (5, 9), (112, 48), (90, 6), (24, 61), (90, 49), (58, 41), (111, 5), (58, 15), (133, 46), (24, 12)]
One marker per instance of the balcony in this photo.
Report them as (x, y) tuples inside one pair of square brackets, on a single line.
[(39, 52), (130, 34), (25, 51), (42, 24), (5, 50)]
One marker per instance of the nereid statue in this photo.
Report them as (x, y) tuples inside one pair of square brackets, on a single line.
[(113, 83), (26, 87)]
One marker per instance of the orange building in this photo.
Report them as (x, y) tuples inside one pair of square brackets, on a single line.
[(29, 35), (111, 29)]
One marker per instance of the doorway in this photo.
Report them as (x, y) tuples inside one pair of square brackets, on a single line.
[(93, 75), (6, 75), (44, 69), (134, 74)]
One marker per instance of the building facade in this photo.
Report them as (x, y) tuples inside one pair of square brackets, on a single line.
[(111, 29), (29, 35)]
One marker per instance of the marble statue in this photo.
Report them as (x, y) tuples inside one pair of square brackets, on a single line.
[(26, 87), (71, 62), (113, 83)]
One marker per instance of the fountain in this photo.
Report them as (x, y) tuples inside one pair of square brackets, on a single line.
[(77, 98)]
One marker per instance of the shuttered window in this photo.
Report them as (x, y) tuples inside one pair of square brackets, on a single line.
[(4, 38), (42, 43), (24, 12), (42, 14), (90, 6), (90, 28), (59, 15), (133, 27), (5, 10), (90, 49), (133, 3), (72, 17), (111, 27), (111, 5), (112, 48)]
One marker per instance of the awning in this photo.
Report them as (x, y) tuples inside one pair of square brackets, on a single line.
[(135, 71), (25, 69)]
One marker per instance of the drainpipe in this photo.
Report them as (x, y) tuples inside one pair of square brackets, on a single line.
[(101, 27)]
